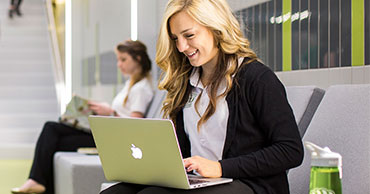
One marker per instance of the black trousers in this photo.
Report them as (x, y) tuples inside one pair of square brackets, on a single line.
[(235, 187), (55, 137)]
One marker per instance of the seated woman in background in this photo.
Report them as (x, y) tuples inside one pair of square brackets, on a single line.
[(133, 100), (231, 113)]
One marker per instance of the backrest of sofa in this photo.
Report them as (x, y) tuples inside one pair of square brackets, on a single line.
[(304, 101), (154, 110), (341, 122)]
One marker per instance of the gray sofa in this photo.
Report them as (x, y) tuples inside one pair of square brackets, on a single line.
[(81, 174), (341, 122)]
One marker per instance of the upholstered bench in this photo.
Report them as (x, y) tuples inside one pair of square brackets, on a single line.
[(76, 173)]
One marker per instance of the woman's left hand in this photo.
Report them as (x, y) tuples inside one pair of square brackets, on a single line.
[(100, 108), (205, 167)]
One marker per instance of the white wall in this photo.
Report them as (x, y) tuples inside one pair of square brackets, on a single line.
[(242, 4), (148, 29), (97, 27), (110, 22)]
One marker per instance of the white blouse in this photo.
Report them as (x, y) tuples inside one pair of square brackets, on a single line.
[(209, 141), (138, 100)]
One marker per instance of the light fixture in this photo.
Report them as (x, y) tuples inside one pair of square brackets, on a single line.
[(133, 19)]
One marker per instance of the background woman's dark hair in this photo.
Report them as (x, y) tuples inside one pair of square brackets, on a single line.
[(137, 50)]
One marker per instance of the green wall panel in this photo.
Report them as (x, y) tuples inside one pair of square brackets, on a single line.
[(287, 35), (358, 33)]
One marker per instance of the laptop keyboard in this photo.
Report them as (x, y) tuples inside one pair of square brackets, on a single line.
[(197, 181)]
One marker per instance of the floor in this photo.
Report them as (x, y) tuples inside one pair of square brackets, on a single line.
[(13, 173)]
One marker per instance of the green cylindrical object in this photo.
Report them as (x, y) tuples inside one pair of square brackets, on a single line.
[(326, 170), (325, 180)]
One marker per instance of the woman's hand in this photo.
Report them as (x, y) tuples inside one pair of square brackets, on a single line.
[(100, 108), (205, 167)]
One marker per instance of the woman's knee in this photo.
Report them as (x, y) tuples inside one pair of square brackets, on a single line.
[(49, 127)]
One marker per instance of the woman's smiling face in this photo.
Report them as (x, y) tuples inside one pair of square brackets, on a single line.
[(192, 39)]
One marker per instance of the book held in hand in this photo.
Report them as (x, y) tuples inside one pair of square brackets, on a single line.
[(76, 114)]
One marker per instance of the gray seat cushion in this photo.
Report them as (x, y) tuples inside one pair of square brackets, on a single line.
[(76, 173)]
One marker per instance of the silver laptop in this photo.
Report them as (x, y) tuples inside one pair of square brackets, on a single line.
[(143, 151)]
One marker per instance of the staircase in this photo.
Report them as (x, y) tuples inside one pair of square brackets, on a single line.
[(27, 90)]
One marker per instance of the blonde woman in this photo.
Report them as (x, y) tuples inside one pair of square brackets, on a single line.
[(231, 113), (133, 62)]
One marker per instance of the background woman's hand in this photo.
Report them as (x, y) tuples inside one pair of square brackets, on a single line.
[(205, 167), (100, 108)]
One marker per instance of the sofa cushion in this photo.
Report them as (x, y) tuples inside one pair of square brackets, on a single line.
[(76, 173)]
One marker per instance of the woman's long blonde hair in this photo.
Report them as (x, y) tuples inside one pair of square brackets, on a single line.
[(137, 50), (217, 16)]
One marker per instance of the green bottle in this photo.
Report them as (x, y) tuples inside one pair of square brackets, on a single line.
[(326, 170)]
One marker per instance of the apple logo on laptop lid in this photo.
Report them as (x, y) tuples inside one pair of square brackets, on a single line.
[(136, 152)]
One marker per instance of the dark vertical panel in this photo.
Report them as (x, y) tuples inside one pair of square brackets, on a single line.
[(295, 35), (334, 33), (239, 17), (367, 32), (271, 33), (345, 33), (314, 46), (251, 26), (304, 34), (263, 38), (323, 36), (256, 32), (279, 36), (246, 23)]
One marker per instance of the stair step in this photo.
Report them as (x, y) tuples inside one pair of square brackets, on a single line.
[(40, 79), (31, 20), (23, 120), (16, 151), (25, 42), (48, 106), (24, 30), (19, 135), (32, 54), (13, 68), (27, 93), (21, 62), (21, 51), (35, 12)]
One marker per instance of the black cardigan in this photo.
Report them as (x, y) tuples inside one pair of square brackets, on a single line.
[(262, 139)]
